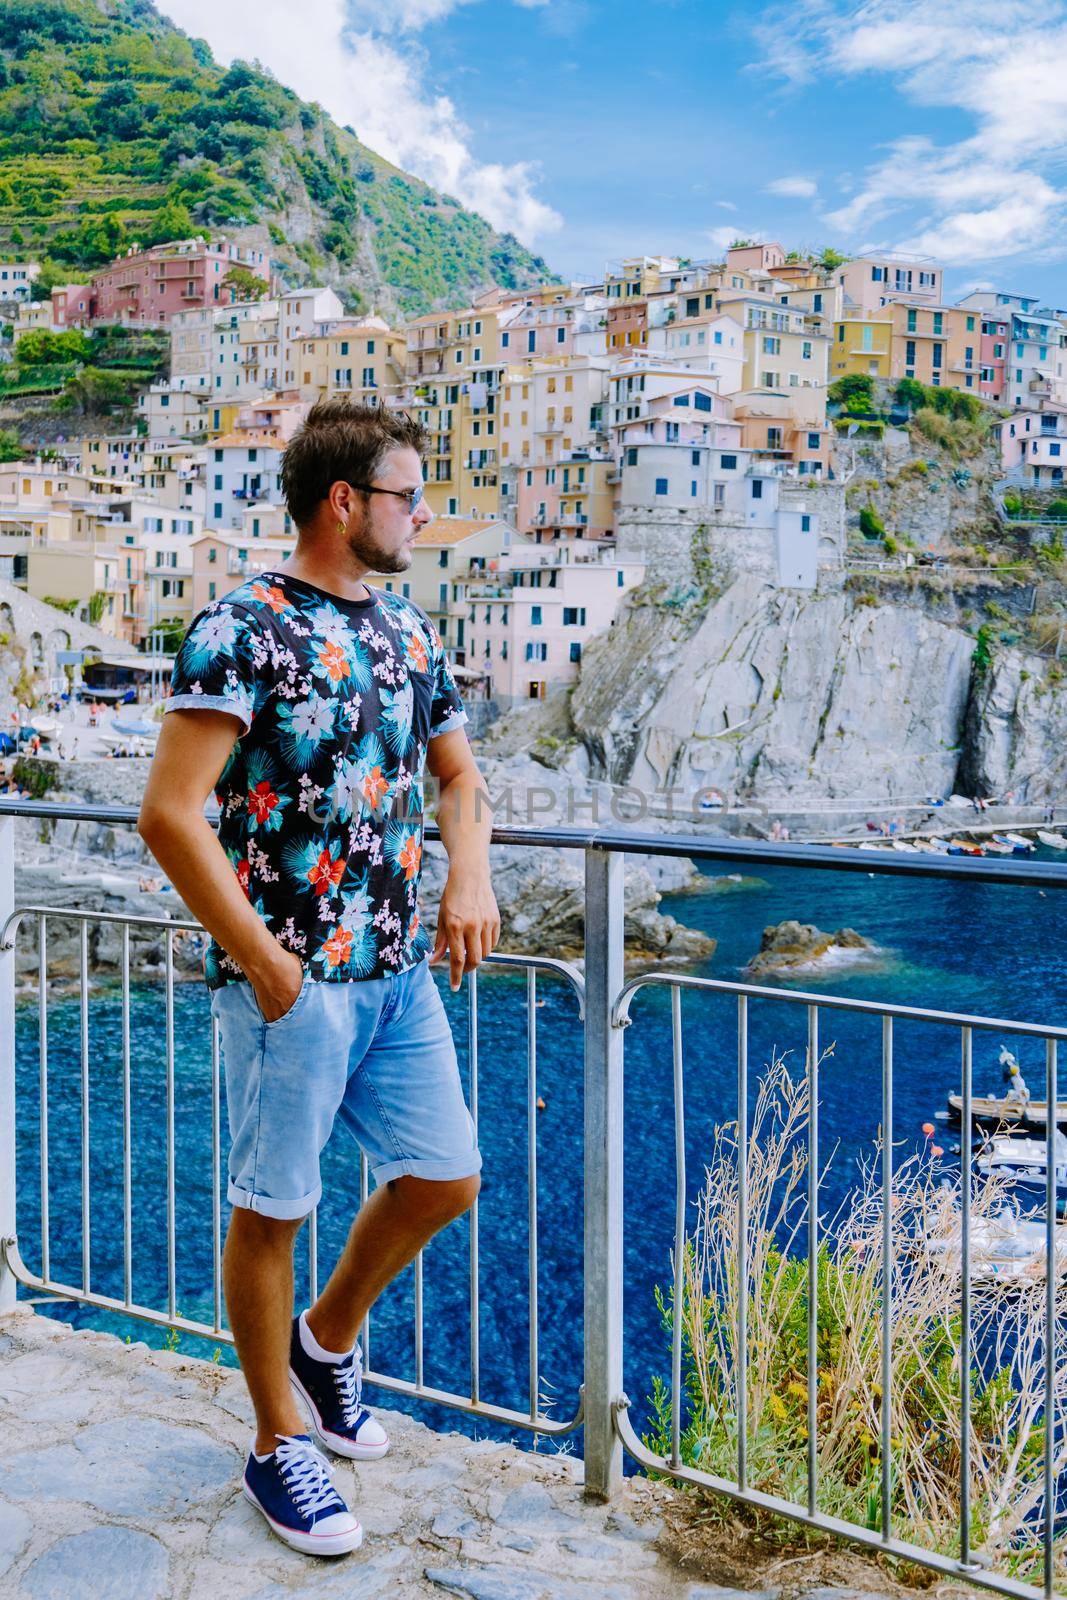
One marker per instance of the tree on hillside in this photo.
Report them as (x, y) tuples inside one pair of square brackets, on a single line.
[(173, 220), (245, 286), (43, 348), (830, 259)]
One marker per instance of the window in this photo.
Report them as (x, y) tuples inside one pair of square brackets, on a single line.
[(701, 402), (406, 590), (561, 335), (840, 333), (757, 489), (537, 650), (218, 481), (344, 347), (1053, 449), (771, 347), (693, 488), (661, 486), (574, 616), (631, 456), (505, 340), (912, 316), (694, 458), (211, 589), (970, 324), (576, 650), (938, 321), (816, 302), (535, 614), (909, 353), (728, 463), (813, 441), (531, 339), (805, 523), (717, 339), (805, 350), (938, 349), (218, 510), (212, 555)]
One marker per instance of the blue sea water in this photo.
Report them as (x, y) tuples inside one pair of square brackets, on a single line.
[(959, 946)]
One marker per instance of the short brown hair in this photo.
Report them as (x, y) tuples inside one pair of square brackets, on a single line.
[(340, 441)]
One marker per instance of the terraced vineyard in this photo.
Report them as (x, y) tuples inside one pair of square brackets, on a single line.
[(116, 128)]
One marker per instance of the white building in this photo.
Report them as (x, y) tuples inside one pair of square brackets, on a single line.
[(242, 471)]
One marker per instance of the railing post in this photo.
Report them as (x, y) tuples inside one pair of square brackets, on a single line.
[(7, 1062), (603, 1171)]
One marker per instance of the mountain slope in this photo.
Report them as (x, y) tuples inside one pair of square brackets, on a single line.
[(115, 127)]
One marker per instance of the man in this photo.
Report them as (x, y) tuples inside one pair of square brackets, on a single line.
[(308, 702)]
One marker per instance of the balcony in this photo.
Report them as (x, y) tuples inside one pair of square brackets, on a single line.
[(116, 1117)]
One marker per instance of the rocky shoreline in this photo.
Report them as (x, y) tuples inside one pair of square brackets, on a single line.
[(789, 947)]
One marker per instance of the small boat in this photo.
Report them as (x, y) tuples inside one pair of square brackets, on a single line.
[(1055, 841), (905, 847), (995, 847), (938, 846), (1024, 1160), (1013, 1108), (964, 847), (1019, 845), (1005, 1247)]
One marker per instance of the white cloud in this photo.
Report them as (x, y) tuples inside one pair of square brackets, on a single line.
[(988, 195), (379, 88), (726, 205), (793, 188), (722, 238)]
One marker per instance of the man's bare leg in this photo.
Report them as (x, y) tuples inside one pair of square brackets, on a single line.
[(389, 1231), (257, 1272)]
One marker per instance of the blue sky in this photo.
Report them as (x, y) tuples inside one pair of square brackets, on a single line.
[(597, 129)]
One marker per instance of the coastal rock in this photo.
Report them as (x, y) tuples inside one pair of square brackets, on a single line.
[(801, 947), (1017, 729), (767, 693)]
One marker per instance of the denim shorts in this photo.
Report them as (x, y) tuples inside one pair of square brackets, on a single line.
[(376, 1054)]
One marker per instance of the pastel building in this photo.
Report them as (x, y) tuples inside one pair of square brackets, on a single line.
[(867, 282), (71, 305), (151, 286), (1034, 445), (449, 554), (780, 350), (221, 562), (936, 345), (527, 633), (1034, 355), (242, 470), (862, 345), (17, 279)]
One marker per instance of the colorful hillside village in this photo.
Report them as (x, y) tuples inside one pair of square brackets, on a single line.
[(570, 424)]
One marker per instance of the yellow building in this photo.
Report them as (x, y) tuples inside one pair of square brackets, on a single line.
[(862, 345)]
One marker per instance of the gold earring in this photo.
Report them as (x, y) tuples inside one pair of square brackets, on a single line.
[(341, 528)]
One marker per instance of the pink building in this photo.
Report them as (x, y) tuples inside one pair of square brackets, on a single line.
[(71, 305), (150, 286), (993, 349)]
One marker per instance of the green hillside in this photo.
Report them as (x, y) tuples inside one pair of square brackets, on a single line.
[(115, 128)]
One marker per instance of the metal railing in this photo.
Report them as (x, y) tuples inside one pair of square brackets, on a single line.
[(605, 998)]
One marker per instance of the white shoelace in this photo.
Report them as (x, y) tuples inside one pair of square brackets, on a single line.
[(306, 1475), (349, 1386)]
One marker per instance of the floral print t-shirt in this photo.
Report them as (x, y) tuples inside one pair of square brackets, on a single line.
[(322, 797)]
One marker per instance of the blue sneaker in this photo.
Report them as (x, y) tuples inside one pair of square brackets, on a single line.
[(295, 1493), (331, 1393)]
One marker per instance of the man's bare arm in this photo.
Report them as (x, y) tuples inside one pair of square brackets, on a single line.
[(468, 921), (193, 749)]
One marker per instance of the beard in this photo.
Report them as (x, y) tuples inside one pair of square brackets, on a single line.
[(367, 550)]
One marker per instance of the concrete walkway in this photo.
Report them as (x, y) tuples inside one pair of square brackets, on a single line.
[(120, 1481)]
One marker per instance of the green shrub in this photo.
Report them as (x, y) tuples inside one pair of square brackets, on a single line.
[(1013, 503), (871, 524), (983, 650), (891, 546), (853, 387)]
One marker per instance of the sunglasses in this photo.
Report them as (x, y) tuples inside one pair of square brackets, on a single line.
[(414, 497)]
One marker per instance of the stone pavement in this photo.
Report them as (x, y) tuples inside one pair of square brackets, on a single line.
[(120, 1481)]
